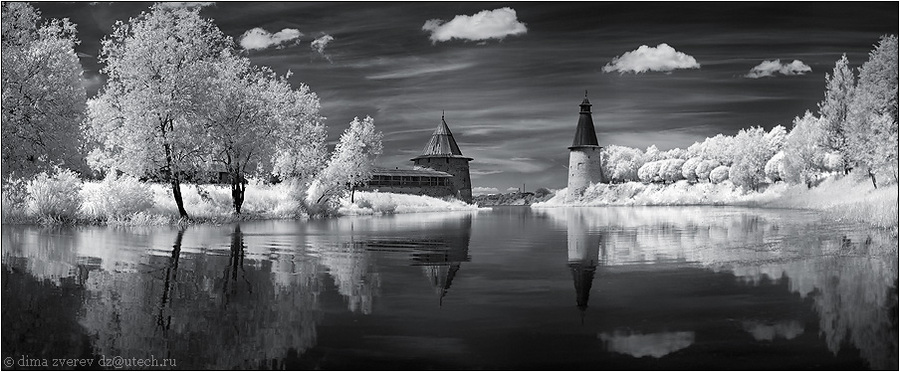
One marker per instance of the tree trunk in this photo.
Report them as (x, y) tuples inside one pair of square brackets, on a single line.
[(237, 191), (176, 192), (352, 194), (872, 176)]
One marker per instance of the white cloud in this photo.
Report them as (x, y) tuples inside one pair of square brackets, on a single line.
[(320, 43), (483, 172), (185, 4), (257, 38), (659, 58), (484, 25), (419, 71), (656, 345), (770, 68), (485, 190)]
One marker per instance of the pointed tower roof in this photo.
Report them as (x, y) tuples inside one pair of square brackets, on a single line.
[(584, 133), (442, 144), (583, 276)]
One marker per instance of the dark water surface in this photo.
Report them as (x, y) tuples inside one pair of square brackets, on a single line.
[(508, 288)]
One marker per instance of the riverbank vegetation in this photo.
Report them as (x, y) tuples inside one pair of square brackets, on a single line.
[(125, 201), (847, 198)]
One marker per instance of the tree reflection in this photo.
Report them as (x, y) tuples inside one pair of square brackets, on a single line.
[(851, 276), (243, 319), (352, 269), (164, 320)]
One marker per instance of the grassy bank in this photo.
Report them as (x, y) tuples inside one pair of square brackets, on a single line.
[(844, 198), (130, 203)]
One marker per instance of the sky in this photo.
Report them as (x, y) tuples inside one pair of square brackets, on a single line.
[(509, 76)]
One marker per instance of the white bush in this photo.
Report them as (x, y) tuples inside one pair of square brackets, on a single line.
[(116, 197), (689, 169), (670, 170), (719, 175), (649, 172), (704, 168), (54, 198), (775, 167)]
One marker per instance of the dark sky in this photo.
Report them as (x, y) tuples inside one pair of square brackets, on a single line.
[(510, 83)]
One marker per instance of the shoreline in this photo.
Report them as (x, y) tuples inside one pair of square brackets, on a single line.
[(840, 198)]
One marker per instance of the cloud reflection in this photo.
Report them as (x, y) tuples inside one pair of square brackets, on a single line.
[(656, 345)]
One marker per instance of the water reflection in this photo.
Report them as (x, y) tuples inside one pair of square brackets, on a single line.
[(583, 254), (787, 330), (850, 276), (668, 284), (656, 345)]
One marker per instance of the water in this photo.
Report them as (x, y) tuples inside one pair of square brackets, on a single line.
[(510, 288)]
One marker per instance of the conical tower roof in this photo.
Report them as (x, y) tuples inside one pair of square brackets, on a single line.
[(584, 133), (442, 144), (583, 276)]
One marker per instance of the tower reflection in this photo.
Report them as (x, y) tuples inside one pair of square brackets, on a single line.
[(583, 256), (441, 261)]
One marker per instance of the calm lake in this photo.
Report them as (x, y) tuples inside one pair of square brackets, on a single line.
[(508, 288)]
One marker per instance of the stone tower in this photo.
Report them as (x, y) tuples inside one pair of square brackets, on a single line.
[(442, 154), (584, 154)]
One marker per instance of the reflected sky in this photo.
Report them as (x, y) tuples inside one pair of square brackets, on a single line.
[(508, 288)]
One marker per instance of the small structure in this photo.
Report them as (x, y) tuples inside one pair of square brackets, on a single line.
[(411, 181), (584, 154), (441, 170)]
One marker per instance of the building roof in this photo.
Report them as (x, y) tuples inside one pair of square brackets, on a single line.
[(442, 144), (409, 172), (584, 133)]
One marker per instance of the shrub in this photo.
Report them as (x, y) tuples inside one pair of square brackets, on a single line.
[(704, 168), (116, 197), (54, 198), (541, 192), (719, 174), (15, 199)]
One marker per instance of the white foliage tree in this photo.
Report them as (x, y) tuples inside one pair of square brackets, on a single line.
[(621, 163), (719, 175), (670, 170), (775, 167), (835, 109), (751, 151), (719, 148), (689, 168), (147, 119), (803, 154), (872, 122), (351, 162), (704, 168), (254, 117), (43, 96), (649, 172), (775, 138), (652, 154)]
